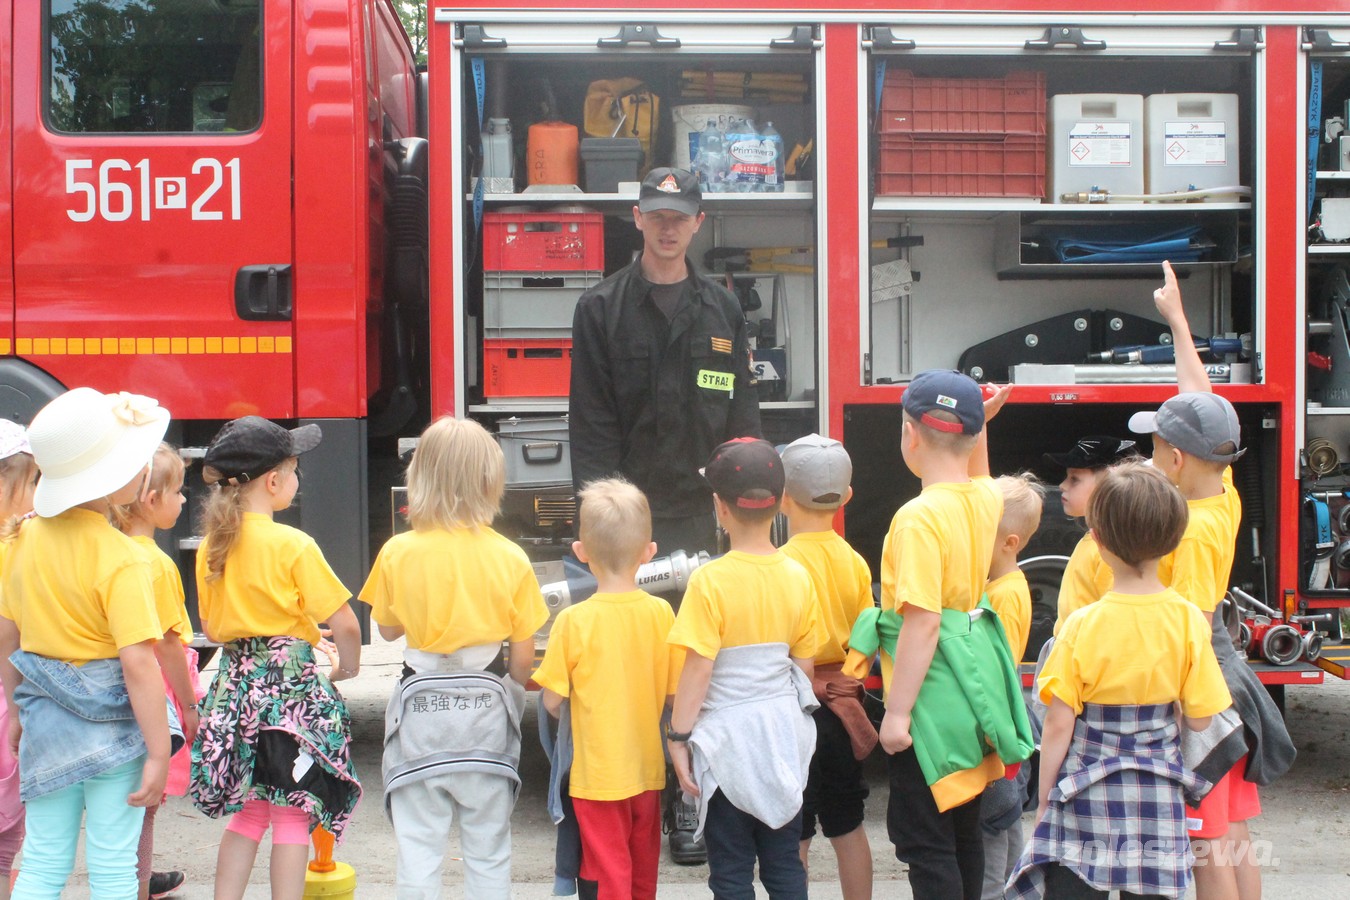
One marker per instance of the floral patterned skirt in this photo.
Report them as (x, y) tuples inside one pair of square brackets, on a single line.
[(275, 728)]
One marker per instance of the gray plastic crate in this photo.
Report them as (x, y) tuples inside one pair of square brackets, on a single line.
[(537, 450), (532, 304)]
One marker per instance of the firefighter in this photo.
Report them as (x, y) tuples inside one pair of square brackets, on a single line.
[(660, 377)]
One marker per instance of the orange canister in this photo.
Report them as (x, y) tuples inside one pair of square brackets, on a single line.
[(551, 150)]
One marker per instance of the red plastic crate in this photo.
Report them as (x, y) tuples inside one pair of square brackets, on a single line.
[(1012, 166), (911, 104), (526, 368), (528, 241)]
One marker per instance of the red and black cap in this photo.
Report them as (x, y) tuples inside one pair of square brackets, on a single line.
[(746, 472)]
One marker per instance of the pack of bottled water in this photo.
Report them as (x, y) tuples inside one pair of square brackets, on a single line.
[(742, 159)]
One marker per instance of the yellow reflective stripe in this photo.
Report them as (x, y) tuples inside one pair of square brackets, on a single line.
[(145, 345)]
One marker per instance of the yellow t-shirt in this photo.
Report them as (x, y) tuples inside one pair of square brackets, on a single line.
[(1200, 566), (1131, 649), (276, 582), (741, 599), (170, 602), (1010, 596), (454, 589), (610, 657), (843, 587), (943, 540), (77, 588), (1086, 578)]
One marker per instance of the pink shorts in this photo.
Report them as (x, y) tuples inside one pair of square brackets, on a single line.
[(1234, 799)]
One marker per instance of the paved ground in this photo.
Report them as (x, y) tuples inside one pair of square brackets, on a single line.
[(1305, 817)]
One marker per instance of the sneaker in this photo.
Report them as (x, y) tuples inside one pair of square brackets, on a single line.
[(162, 884)]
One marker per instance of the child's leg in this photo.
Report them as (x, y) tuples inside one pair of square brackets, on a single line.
[(10, 842), (422, 813), (484, 805), (1063, 884), (929, 841), (995, 864), (1218, 866), (645, 843), (112, 830), (730, 836), (780, 864), (290, 852), (606, 833), (52, 822), (239, 848), (145, 851)]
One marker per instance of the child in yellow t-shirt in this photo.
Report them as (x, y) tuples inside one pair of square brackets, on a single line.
[(157, 509), (1010, 596), (1086, 577), (936, 556), (77, 622), (1196, 438), (818, 472), (1007, 589), (456, 591), (608, 656), (1113, 681), (741, 734), (274, 745)]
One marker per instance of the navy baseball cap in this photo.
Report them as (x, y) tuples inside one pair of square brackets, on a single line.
[(948, 390)]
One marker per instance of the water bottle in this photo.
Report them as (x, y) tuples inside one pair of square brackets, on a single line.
[(711, 165), (499, 157), (773, 142), (745, 164)]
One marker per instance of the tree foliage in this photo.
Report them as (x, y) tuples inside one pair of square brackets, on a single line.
[(414, 16)]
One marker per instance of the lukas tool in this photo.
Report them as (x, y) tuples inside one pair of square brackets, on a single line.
[(1166, 353), (665, 574)]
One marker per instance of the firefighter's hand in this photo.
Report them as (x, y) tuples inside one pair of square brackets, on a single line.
[(1168, 297), (998, 397), (682, 760), (895, 737)]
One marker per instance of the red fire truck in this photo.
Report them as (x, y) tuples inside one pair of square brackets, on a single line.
[(236, 207), (221, 204)]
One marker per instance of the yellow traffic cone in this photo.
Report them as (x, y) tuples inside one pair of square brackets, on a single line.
[(327, 879)]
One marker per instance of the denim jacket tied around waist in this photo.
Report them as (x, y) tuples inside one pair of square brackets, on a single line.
[(77, 722)]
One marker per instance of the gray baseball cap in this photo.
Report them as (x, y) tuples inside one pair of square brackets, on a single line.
[(818, 471), (1201, 424)]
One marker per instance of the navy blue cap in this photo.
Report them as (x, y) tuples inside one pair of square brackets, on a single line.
[(950, 391)]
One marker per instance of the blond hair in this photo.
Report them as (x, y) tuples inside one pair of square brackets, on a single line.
[(16, 471), (223, 514), (952, 443), (1136, 513), (457, 476), (1023, 498), (615, 523), (166, 470)]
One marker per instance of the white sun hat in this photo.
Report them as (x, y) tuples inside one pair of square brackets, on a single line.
[(88, 444)]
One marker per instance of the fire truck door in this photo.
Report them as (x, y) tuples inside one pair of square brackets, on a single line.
[(152, 200)]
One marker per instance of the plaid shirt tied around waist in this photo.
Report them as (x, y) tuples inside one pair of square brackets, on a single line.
[(1117, 815)]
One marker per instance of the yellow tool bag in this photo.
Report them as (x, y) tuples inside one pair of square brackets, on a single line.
[(623, 107)]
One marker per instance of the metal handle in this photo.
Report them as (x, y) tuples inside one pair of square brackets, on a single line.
[(639, 34), (1058, 35)]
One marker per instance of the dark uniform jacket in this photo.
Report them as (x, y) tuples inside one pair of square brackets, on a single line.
[(651, 398)]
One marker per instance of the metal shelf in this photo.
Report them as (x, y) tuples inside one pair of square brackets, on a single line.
[(798, 195), (1329, 410), (990, 205), (1328, 249), (528, 406)]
